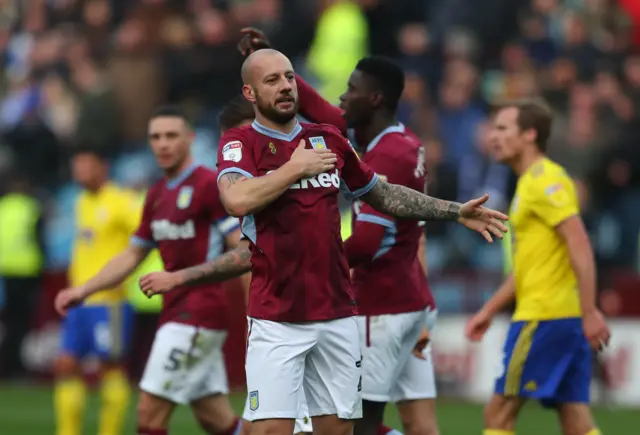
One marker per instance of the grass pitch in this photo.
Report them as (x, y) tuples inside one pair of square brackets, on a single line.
[(27, 410)]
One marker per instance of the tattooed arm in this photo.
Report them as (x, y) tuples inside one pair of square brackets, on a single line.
[(229, 265), (405, 203)]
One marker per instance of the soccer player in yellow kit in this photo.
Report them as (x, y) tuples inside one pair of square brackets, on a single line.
[(106, 216), (555, 326)]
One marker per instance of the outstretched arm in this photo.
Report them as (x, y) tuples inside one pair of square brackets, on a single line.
[(406, 203)]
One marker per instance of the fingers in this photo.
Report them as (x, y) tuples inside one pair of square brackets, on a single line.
[(302, 144), (495, 230), (487, 235), (497, 215)]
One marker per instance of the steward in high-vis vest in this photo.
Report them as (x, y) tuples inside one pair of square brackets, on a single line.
[(21, 266)]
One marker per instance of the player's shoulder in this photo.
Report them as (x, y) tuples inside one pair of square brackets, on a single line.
[(243, 133), (547, 171)]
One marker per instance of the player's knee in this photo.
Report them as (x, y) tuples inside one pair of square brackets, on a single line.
[(501, 413), (576, 419), (214, 414), (153, 412), (420, 427), (66, 365), (276, 426), (246, 427)]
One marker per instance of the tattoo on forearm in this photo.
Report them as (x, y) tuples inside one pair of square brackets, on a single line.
[(230, 179), (229, 265), (405, 203)]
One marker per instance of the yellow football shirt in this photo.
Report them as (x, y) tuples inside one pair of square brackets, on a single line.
[(105, 221), (546, 287)]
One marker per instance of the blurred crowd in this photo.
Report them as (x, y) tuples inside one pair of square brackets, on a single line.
[(89, 73)]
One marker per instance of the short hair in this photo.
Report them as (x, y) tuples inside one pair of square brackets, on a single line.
[(170, 111), (234, 113), (97, 152), (388, 78), (533, 114)]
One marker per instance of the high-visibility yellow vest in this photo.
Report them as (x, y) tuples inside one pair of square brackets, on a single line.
[(340, 41), (346, 224), (139, 301), (20, 253)]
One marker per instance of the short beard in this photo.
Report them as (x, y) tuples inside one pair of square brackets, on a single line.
[(273, 114)]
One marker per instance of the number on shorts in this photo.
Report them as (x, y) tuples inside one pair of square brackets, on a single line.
[(102, 336), (176, 357)]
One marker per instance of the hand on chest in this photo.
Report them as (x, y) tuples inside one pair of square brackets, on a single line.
[(277, 153)]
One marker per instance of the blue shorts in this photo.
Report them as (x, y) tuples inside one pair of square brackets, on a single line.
[(101, 330), (546, 360)]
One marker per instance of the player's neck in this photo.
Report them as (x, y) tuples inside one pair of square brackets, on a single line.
[(379, 122), (285, 128), (173, 173), (97, 187), (525, 161)]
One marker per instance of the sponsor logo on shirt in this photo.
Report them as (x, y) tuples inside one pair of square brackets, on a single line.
[(165, 230), (317, 142), (324, 180), (232, 151), (184, 197)]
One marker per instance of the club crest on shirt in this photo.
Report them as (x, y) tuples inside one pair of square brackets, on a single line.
[(254, 401), (184, 197), (318, 143), (557, 195), (272, 148), (232, 151)]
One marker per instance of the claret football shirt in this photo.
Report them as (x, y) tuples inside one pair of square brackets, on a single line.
[(299, 270), (186, 221)]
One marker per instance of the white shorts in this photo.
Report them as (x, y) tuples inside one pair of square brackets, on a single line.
[(186, 363), (391, 373), (417, 380), (302, 424), (323, 358)]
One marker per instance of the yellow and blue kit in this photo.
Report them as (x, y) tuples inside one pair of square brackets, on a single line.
[(546, 355)]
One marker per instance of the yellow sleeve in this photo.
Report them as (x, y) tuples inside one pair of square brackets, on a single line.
[(555, 199)]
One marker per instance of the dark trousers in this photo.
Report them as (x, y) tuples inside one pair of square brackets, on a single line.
[(18, 313)]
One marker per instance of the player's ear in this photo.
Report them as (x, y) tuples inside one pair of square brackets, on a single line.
[(248, 93), (530, 135), (376, 99)]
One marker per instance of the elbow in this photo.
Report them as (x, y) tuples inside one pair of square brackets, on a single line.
[(237, 207)]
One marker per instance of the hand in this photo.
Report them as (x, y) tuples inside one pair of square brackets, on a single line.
[(423, 341), (596, 329), (158, 282), (311, 161), (69, 298), (483, 220), (252, 40), (477, 326)]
